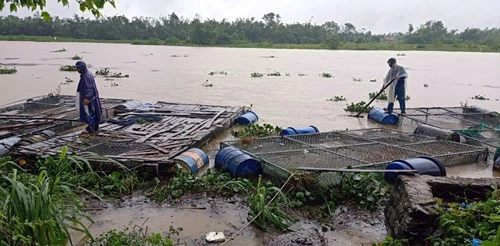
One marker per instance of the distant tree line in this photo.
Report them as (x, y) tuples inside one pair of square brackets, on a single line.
[(174, 30)]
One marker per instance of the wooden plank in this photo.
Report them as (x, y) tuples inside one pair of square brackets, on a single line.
[(25, 125), (162, 150), (211, 122), (145, 138)]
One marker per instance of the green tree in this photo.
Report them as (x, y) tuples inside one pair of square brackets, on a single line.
[(85, 5)]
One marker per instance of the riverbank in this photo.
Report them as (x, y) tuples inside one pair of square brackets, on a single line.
[(462, 47)]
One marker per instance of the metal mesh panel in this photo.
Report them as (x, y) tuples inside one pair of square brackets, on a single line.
[(264, 145), (475, 127), (373, 133), (376, 153), (405, 139), (336, 150), (328, 139), (114, 148), (316, 158), (440, 147)]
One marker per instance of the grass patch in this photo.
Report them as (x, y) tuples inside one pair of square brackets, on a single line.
[(358, 107), (106, 73), (207, 84), (219, 72), (57, 51), (7, 70), (326, 75), (68, 68), (480, 97), (382, 96), (256, 75), (256, 130), (343, 46), (337, 99), (274, 74)]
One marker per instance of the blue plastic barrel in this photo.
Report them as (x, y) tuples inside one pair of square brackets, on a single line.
[(378, 115), (221, 158), (243, 165), (299, 130), (237, 163), (248, 117), (423, 165), (192, 160)]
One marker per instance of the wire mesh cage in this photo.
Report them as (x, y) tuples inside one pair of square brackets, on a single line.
[(333, 152), (476, 127)]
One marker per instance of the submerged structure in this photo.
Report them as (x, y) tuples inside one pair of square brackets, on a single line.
[(135, 134)]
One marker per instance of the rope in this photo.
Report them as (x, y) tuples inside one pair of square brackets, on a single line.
[(250, 222)]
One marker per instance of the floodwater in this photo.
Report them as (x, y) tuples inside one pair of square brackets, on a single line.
[(297, 98), (177, 74)]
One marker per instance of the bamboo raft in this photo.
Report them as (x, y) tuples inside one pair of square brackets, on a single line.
[(148, 136)]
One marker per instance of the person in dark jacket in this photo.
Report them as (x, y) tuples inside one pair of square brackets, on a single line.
[(88, 102)]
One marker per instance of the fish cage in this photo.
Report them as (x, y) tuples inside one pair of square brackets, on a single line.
[(327, 155), (474, 126)]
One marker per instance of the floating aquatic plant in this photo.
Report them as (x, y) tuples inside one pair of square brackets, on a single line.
[(7, 70)]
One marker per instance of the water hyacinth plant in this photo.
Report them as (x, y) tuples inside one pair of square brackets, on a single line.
[(7, 70)]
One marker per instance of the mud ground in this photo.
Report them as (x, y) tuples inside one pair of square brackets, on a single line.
[(199, 214)]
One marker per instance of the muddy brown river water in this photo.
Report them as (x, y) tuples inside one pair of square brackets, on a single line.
[(296, 98)]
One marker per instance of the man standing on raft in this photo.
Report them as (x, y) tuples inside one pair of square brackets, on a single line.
[(397, 89)]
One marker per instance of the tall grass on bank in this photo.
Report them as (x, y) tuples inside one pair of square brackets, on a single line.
[(38, 209)]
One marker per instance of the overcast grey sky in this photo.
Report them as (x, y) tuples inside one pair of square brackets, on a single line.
[(378, 16)]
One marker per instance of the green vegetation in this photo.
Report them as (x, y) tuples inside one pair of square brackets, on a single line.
[(274, 74), (76, 57), (326, 75), (480, 97), (389, 241), (382, 96), (267, 32), (256, 130), (93, 6), (211, 182), (61, 50), (138, 236), (40, 201), (366, 190), (207, 84), (357, 107), (256, 75), (264, 209), (337, 99), (220, 72), (68, 68), (6, 70), (106, 73), (460, 223)]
